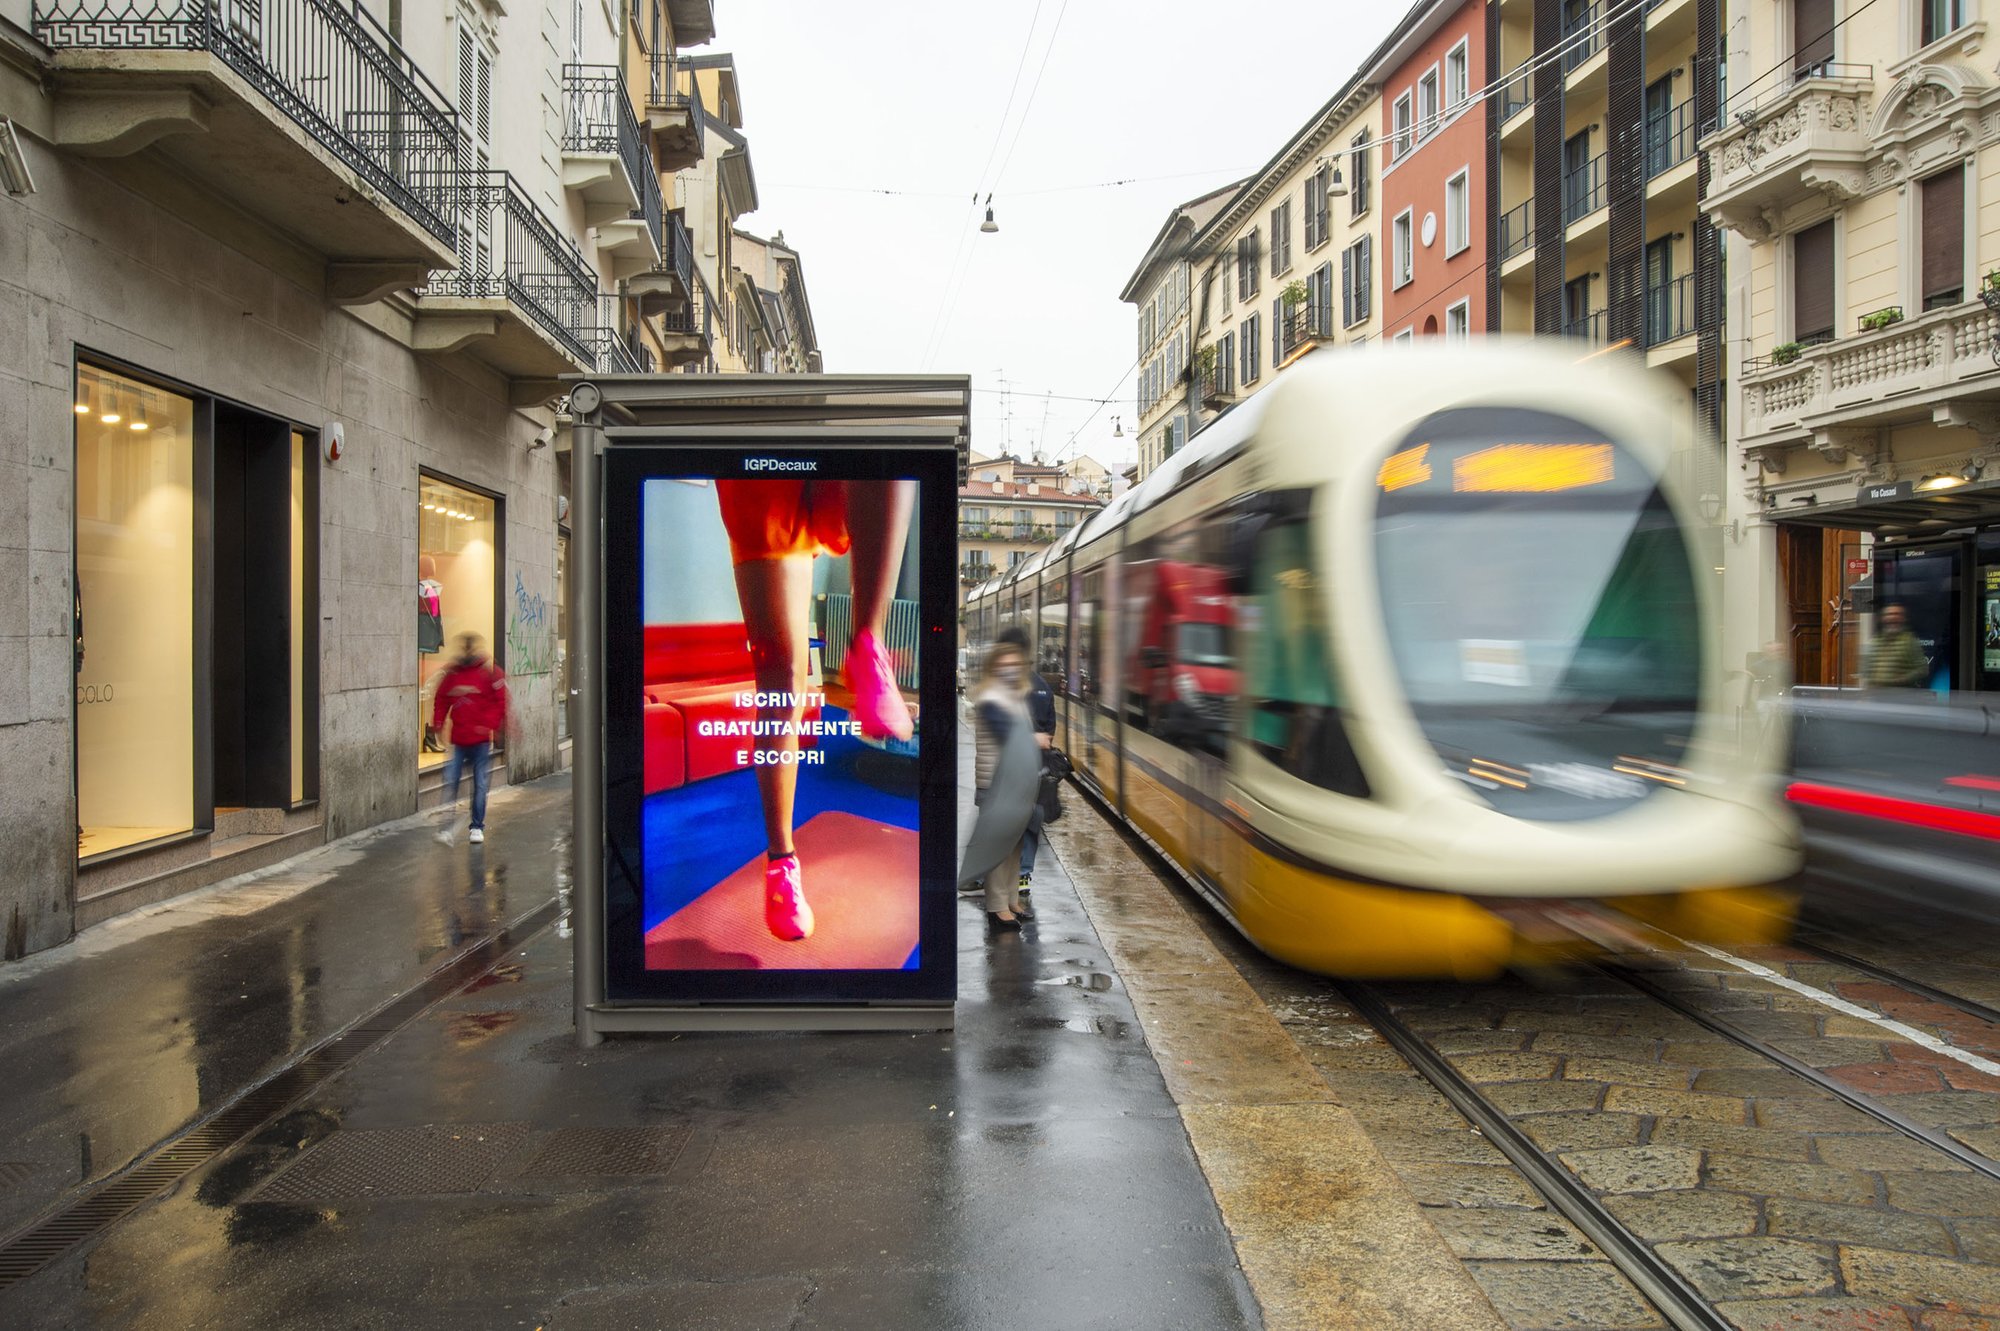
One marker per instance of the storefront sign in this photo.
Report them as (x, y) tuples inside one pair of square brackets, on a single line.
[(1857, 568), (1871, 494)]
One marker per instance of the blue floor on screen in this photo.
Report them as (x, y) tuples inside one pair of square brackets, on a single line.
[(697, 835)]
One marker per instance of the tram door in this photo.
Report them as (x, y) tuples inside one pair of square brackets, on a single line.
[(1986, 611)]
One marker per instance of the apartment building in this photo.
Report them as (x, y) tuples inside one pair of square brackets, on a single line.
[(1434, 178), (289, 291), (771, 270), (1595, 215), (1160, 287), (1856, 170), (1010, 508)]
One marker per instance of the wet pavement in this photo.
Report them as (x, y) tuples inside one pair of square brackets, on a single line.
[(477, 1169)]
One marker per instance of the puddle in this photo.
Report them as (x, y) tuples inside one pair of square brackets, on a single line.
[(1096, 982), (472, 1027)]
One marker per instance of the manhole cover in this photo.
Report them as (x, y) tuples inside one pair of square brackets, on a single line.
[(397, 1162)]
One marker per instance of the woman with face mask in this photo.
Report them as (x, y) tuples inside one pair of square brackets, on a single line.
[(1007, 770)]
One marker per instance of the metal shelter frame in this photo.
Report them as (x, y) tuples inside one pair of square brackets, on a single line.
[(756, 410)]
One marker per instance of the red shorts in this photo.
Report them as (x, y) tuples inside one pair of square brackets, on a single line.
[(777, 518)]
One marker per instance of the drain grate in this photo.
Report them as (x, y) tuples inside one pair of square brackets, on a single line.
[(153, 1172), (397, 1162), (598, 1152)]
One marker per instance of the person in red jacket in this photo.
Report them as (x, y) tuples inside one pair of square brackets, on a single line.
[(473, 697)]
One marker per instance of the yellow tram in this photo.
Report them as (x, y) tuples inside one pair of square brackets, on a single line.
[(1410, 664)]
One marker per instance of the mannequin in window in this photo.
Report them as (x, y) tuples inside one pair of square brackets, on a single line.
[(776, 529), (430, 628)]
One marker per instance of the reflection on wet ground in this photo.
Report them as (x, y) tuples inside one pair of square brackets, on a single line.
[(112, 1045), (1027, 1169)]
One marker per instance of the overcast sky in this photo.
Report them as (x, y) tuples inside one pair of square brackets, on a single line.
[(908, 95)]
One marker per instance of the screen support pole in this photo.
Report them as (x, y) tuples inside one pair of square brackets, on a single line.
[(586, 683)]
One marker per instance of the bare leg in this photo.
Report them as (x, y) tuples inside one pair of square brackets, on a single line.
[(776, 595), (878, 530)]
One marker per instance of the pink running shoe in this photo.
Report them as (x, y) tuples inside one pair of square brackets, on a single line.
[(786, 913), (878, 703)]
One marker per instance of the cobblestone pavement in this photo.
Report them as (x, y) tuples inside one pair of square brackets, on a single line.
[(1783, 1203)]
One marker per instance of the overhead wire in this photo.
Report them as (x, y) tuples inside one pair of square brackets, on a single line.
[(954, 291), (964, 231)]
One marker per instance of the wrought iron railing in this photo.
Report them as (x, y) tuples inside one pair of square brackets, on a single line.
[(1308, 321), (1218, 380), (1670, 310), (329, 66), (1583, 190), (1670, 139), (677, 250), (698, 314), (1517, 229), (1589, 327), (652, 206), (617, 352), (598, 118), (1518, 95), (673, 87), (508, 248)]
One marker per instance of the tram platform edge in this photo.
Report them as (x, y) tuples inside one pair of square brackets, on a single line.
[(1326, 1232)]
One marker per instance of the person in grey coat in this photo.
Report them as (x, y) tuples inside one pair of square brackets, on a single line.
[(1007, 774)]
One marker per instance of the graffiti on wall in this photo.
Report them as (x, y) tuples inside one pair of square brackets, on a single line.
[(531, 638)]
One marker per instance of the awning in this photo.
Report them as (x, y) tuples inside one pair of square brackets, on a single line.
[(1926, 514)]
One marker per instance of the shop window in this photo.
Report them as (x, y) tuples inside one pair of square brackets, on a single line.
[(457, 561), (135, 602)]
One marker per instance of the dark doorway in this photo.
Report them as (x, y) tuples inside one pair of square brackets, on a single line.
[(250, 703)]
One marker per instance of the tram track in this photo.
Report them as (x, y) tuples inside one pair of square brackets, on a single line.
[(1798, 1138), (1676, 1300)]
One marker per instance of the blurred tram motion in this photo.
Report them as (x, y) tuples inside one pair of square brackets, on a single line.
[(1408, 662), (1899, 797)]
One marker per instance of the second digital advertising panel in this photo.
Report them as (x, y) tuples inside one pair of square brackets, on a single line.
[(779, 780)]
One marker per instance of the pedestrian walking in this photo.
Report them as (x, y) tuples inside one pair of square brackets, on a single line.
[(1895, 659), (1006, 779), (1042, 712), (472, 697)]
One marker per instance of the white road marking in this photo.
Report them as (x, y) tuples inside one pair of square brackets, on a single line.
[(1841, 1005)]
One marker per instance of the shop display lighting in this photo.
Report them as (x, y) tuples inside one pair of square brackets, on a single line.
[(139, 423)]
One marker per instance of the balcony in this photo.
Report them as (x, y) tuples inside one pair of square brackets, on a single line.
[(1669, 139), (1670, 310), (666, 285), (636, 244), (971, 575), (687, 334), (675, 116), (522, 299), (1027, 533), (1517, 231), (1588, 328), (1515, 97), (1582, 34), (1307, 325), (305, 114), (1802, 146), (1583, 192), (1218, 383), (604, 157), (1902, 371)]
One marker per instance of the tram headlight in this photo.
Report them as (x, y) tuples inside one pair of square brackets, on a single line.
[(1185, 690)]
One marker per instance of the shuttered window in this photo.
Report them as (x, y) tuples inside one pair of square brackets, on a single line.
[(1812, 283), (1246, 266), (1812, 36), (1281, 238), (1943, 202), (1316, 210), (1358, 169)]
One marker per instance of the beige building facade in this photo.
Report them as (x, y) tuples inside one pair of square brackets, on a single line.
[(1010, 508), (1857, 173)]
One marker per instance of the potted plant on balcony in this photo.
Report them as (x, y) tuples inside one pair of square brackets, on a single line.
[(1989, 290), (1295, 294), (1786, 352), (1882, 318), (1205, 361)]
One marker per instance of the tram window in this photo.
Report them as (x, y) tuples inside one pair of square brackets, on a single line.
[(1180, 668), (1294, 713), (1052, 643), (1090, 618)]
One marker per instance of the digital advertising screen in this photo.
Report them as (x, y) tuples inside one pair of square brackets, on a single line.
[(780, 815)]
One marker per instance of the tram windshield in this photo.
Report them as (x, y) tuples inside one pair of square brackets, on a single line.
[(1539, 603)]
